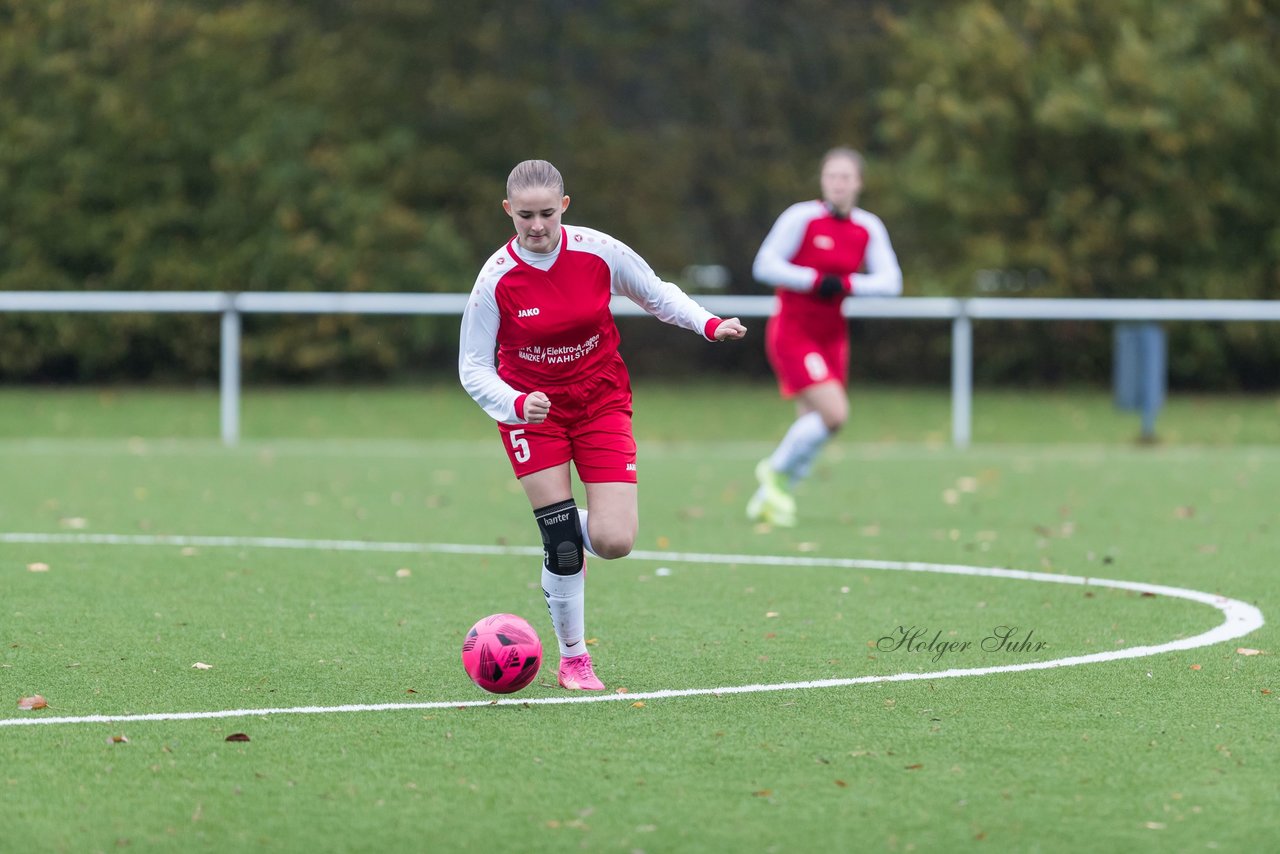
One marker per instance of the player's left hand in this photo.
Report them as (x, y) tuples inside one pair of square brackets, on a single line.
[(832, 288), (731, 329)]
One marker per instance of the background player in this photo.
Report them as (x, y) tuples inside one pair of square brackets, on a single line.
[(558, 387), (812, 257)]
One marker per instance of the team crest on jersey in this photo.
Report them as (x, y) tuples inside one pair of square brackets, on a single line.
[(823, 241), (577, 238), (527, 312)]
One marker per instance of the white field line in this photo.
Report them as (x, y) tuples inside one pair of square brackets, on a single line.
[(1239, 619)]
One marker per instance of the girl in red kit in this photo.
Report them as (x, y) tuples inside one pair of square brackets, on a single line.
[(816, 254), (558, 388)]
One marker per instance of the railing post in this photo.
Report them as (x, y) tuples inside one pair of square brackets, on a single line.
[(229, 385), (961, 377)]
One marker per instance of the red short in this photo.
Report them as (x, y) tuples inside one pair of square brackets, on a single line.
[(589, 424), (802, 357)]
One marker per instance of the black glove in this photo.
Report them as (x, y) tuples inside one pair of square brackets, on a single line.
[(830, 288)]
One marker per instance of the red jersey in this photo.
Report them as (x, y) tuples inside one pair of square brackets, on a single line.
[(540, 320), (807, 339), (808, 242)]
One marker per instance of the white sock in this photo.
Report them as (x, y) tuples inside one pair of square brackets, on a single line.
[(586, 538), (566, 600), (798, 448)]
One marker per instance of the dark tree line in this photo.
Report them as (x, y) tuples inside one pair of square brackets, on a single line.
[(1108, 147)]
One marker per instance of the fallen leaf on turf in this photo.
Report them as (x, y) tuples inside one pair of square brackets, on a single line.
[(30, 704), (410, 691), (1154, 825), (1195, 667), (841, 783), (763, 793), (1184, 512), (37, 567), (118, 739), (591, 641), (403, 572), (237, 736), (200, 665), (915, 767), (1244, 650), (622, 691), (638, 704), (1266, 690)]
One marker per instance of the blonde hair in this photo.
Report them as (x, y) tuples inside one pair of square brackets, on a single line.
[(534, 175), (847, 152)]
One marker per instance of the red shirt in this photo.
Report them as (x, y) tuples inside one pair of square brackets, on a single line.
[(547, 317), (808, 242)]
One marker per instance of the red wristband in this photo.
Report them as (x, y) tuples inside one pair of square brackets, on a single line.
[(520, 406), (709, 331)]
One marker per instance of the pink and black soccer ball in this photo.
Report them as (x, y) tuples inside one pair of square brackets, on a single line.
[(502, 653)]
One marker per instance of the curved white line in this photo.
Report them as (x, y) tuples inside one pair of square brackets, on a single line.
[(1239, 619)]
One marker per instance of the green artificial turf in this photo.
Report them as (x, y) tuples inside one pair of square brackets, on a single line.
[(707, 410), (1170, 752)]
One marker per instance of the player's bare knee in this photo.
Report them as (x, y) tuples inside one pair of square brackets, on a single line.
[(833, 417), (612, 544)]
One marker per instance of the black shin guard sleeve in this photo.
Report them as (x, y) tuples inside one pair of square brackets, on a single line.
[(561, 536)]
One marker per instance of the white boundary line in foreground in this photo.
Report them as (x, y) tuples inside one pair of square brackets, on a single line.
[(1239, 619)]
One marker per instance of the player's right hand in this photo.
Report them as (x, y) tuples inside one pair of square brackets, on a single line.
[(831, 287), (536, 407)]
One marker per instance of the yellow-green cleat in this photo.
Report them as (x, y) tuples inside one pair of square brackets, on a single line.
[(771, 503)]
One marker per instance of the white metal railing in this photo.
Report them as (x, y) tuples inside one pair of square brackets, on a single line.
[(961, 313)]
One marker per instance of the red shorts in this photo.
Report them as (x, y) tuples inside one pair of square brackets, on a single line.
[(803, 357), (589, 424)]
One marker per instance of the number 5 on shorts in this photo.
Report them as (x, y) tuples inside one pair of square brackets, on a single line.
[(520, 445)]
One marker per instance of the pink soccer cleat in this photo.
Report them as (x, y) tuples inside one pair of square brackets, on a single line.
[(576, 674)]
